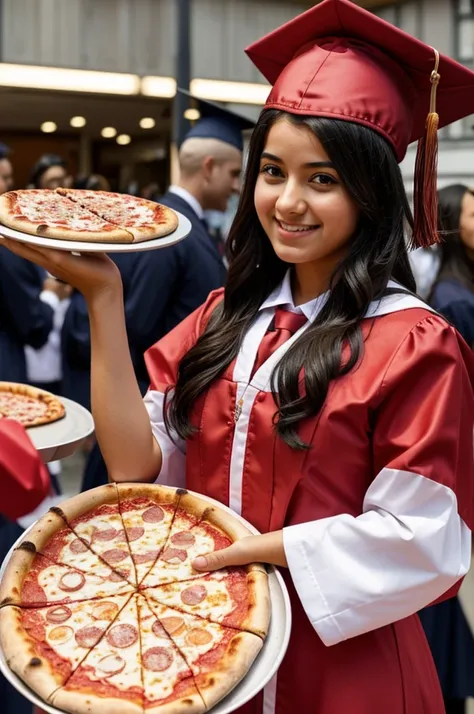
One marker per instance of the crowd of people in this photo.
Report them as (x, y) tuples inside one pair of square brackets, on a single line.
[(319, 395)]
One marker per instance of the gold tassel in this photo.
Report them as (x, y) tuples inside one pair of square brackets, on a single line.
[(425, 194)]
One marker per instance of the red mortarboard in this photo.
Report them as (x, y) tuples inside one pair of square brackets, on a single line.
[(337, 60)]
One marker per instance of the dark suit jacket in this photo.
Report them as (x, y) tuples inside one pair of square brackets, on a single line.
[(24, 318), (161, 287)]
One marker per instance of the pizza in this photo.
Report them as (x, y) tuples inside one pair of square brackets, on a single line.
[(89, 216), (28, 405), (102, 612)]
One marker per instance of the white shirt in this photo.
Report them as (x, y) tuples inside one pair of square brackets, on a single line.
[(45, 365), (189, 198)]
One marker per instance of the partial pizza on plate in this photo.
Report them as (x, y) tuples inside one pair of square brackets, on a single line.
[(102, 612), (28, 405), (88, 216)]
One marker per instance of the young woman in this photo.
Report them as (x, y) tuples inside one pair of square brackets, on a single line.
[(317, 396)]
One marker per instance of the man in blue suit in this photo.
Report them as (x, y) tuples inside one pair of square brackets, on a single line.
[(162, 287)]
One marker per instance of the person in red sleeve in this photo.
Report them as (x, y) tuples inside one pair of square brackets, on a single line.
[(317, 395), (24, 483)]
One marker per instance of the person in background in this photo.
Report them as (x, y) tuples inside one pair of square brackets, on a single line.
[(94, 182), (452, 295), (49, 172), (425, 265), (25, 484), (162, 287), (6, 169)]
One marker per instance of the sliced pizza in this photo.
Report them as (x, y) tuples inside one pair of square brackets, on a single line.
[(169, 685), (109, 678), (219, 657), (230, 597), (33, 580), (142, 218), (95, 518), (54, 640), (46, 213), (198, 528), (147, 512)]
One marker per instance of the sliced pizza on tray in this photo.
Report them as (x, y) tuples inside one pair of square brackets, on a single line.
[(55, 639), (87, 216)]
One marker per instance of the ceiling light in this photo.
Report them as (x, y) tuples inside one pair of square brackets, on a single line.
[(123, 139), (234, 92), (48, 127), (192, 114), (108, 132), (78, 122), (158, 87), (147, 123), (69, 80)]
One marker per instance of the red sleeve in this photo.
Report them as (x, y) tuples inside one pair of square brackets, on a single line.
[(24, 478), (163, 358), (426, 418)]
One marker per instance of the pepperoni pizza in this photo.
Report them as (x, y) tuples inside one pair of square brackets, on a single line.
[(29, 405), (88, 216), (101, 610)]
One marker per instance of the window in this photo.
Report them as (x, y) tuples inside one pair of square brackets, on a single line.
[(465, 30)]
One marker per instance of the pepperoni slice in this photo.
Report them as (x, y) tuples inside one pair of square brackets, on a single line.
[(78, 546), (60, 635), (184, 539), (157, 659), (118, 576), (148, 557), (89, 636), (174, 555), (135, 533), (155, 514), (72, 581), (194, 595), (105, 610), (172, 625), (115, 555), (58, 615), (107, 666), (198, 636), (158, 629), (105, 534), (122, 635)]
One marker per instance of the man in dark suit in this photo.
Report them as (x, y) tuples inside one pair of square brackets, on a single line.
[(162, 287)]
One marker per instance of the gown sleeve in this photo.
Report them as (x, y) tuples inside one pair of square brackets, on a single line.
[(411, 545), (24, 478), (162, 361)]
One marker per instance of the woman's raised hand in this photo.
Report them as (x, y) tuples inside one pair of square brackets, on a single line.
[(91, 273)]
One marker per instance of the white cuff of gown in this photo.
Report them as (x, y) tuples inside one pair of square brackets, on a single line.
[(173, 469), (354, 575)]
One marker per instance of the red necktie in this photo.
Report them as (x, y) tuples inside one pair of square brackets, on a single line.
[(282, 327)]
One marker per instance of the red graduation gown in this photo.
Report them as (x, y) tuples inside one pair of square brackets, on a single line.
[(24, 478), (376, 516)]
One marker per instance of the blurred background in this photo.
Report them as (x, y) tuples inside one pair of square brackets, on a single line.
[(94, 80)]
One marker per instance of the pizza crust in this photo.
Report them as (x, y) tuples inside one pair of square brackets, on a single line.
[(232, 668), (193, 704), (42, 531), (115, 235), (23, 656), (155, 492), (88, 703), (55, 408), (87, 501), (15, 573)]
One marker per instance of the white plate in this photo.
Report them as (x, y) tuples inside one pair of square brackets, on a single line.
[(263, 670), (63, 437), (75, 246)]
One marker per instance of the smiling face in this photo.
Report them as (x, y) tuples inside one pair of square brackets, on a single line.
[(305, 210)]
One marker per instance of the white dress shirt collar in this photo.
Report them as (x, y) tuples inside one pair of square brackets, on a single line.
[(189, 198), (283, 297)]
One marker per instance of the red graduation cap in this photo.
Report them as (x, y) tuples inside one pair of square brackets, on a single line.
[(339, 61)]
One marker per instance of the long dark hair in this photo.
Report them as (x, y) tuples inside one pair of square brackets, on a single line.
[(44, 163), (455, 262), (366, 164)]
